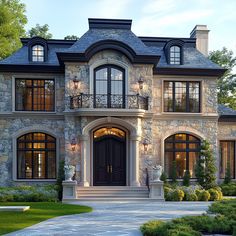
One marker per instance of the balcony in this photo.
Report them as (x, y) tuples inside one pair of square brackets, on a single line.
[(109, 101)]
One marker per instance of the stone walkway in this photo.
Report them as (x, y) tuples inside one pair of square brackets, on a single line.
[(113, 218)]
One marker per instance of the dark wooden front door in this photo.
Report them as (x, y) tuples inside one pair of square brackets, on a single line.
[(109, 161)]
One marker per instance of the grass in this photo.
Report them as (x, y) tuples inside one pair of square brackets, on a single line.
[(39, 211)]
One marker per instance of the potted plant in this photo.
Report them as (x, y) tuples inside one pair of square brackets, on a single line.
[(69, 172)]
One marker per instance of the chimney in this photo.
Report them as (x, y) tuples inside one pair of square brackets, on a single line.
[(200, 32)]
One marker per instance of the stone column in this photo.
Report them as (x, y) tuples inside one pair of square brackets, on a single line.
[(85, 161), (134, 161)]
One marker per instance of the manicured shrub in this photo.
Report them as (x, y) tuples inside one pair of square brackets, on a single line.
[(60, 178), (46, 193), (151, 227), (203, 195), (227, 179), (186, 179), (174, 172), (191, 197), (214, 194), (229, 189), (175, 195), (163, 177)]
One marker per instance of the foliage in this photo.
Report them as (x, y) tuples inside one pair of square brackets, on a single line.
[(175, 195), (191, 197), (227, 179), (46, 193), (186, 179), (41, 31), (12, 22), (71, 37), (206, 169), (163, 177), (229, 189), (39, 211), (223, 223), (214, 194), (60, 178), (203, 195), (174, 172), (227, 83)]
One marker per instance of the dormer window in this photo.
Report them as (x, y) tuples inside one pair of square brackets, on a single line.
[(175, 55), (38, 53), (174, 51)]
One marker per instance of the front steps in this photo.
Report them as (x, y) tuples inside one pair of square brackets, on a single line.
[(111, 193)]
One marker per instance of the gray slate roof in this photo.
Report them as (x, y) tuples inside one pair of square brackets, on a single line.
[(125, 36), (192, 57), (226, 111)]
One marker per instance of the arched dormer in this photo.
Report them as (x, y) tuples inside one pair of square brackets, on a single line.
[(37, 50), (174, 52)]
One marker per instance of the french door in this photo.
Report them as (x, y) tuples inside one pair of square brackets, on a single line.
[(109, 87)]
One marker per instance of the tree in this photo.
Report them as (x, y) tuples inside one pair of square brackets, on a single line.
[(71, 37), (12, 22), (206, 169), (41, 31), (227, 179), (186, 179), (174, 172), (227, 83)]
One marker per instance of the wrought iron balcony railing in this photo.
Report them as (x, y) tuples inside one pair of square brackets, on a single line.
[(109, 101)]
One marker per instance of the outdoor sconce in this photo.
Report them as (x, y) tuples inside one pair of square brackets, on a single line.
[(140, 82), (145, 145), (76, 82), (73, 144)]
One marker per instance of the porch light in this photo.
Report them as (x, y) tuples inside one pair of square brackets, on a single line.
[(76, 82), (145, 145), (140, 82), (73, 144)]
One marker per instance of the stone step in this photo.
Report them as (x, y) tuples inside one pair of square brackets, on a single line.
[(105, 199)]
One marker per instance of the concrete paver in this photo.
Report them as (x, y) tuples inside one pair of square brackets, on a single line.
[(113, 218)]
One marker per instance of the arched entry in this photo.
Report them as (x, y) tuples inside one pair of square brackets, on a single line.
[(109, 157)]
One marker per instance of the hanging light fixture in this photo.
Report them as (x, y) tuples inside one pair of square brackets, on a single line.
[(76, 82), (145, 145)]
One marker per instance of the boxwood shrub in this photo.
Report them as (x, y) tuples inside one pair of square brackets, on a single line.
[(44, 193)]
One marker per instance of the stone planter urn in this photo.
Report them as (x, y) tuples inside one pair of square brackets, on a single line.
[(156, 173), (69, 172)]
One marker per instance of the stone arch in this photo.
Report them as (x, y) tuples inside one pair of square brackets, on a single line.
[(180, 129), (17, 134), (86, 149)]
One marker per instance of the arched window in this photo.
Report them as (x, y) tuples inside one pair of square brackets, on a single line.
[(184, 149), (175, 55), (38, 53), (36, 156), (109, 87)]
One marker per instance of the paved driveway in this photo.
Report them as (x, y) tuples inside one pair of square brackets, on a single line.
[(113, 218)]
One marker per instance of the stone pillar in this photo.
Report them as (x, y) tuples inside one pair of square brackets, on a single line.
[(134, 162), (85, 161), (156, 190), (69, 189)]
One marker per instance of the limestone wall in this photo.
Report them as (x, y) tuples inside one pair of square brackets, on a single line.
[(227, 131)]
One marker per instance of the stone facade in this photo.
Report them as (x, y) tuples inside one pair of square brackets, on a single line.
[(153, 125)]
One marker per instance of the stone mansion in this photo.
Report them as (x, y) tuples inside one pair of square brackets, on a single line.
[(113, 105)]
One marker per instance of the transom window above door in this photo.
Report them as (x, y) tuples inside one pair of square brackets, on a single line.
[(109, 87)]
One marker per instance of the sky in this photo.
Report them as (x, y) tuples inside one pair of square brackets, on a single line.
[(158, 18)]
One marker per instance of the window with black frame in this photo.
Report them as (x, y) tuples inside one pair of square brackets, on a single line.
[(175, 55), (184, 149), (38, 53), (227, 158), (34, 95), (181, 96), (36, 156)]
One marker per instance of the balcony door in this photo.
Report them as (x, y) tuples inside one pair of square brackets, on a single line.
[(109, 87)]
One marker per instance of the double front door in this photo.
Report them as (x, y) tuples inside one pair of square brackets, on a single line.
[(109, 161)]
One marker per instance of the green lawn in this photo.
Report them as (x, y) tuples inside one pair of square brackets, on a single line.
[(39, 211)]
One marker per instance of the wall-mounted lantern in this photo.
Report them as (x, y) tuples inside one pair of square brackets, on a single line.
[(73, 144), (145, 145), (76, 82), (140, 82)]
